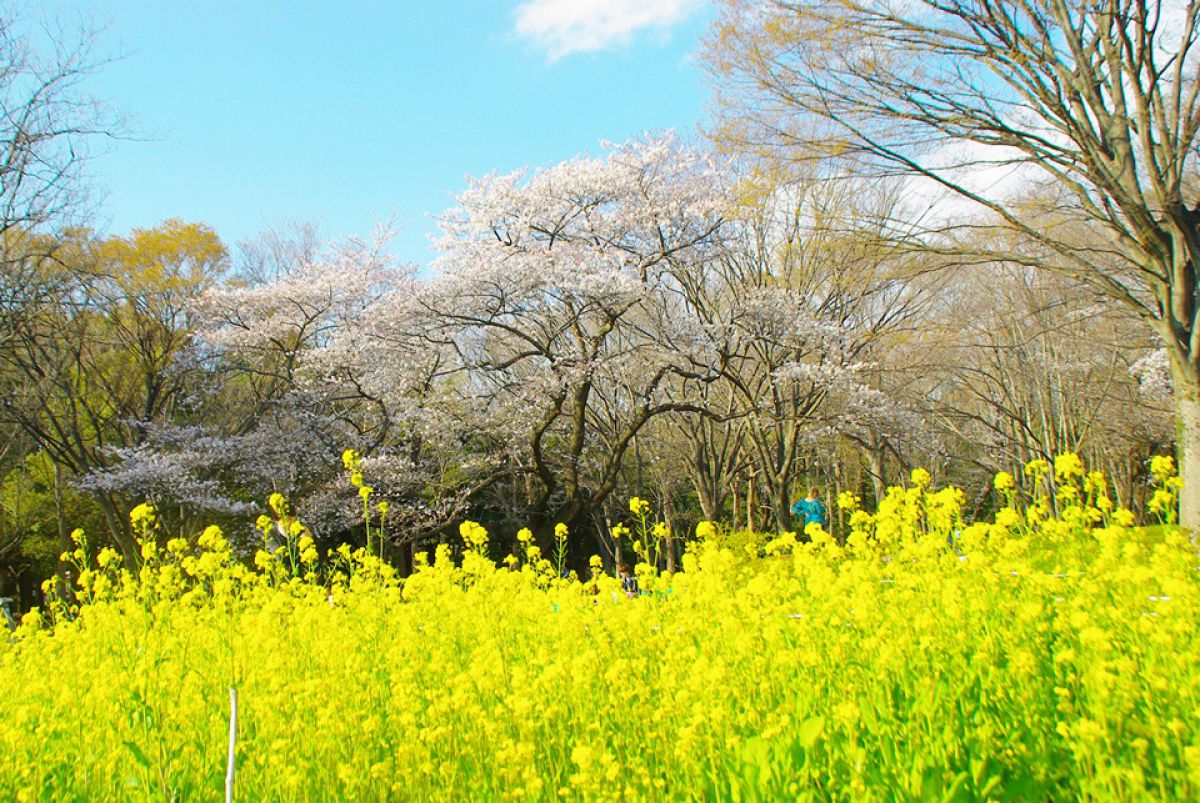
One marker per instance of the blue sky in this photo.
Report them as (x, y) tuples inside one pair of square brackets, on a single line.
[(351, 112)]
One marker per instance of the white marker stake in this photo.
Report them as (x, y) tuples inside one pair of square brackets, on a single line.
[(230, 763)]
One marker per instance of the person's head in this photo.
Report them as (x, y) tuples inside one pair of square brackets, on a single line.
[(812, 493), (623, 569)]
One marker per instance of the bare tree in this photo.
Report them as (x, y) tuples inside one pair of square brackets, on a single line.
[(1095, 104), (276, 250), (807, 292), (47, 124), (1033, 367), (47, 121)]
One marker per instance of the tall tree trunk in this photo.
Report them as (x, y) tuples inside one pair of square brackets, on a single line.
[(782, 505), (669, 519), (1187, 427), (707, 483), (1187, 415), (65, 544), (878, 466), (734, 516), (404, 558), (118, 529), (750, 505)]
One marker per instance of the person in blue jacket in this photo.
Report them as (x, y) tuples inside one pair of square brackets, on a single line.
[(811, 510)]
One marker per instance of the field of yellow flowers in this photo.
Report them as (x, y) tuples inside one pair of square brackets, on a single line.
[(1049, 653)]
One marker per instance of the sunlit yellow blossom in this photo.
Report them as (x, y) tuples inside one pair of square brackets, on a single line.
[(524, 535), (1095, 482), (1161, 501), (1068, 466), (1061, 655), (308, 551), (638, 506), (473, 534), (212, 538), (1036, 468), (109, 557), (32, 620), (1008, 518), (1004, 481), (1162, 466), (142, 516), (920, 477)]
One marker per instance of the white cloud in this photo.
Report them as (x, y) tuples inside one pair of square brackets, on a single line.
[(562, 27)]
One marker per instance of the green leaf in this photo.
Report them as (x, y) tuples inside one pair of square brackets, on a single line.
[(811, 731), (955, 789), (138, 755)]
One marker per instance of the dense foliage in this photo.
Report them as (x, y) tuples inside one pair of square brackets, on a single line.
[(1047, 653)]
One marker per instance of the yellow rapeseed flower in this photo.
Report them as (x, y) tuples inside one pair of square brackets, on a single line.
[(473, 534), (1162, 466), (1066, 629), (1068, 466), (142, 516), (1036, 468)]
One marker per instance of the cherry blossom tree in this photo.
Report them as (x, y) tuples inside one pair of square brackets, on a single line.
[(803, 298), (560, 298), (572, 307)]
